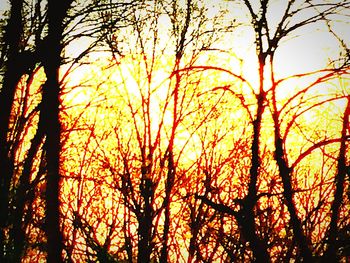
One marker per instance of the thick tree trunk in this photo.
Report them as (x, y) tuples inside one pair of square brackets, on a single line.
[(12, 75), (50, 113)]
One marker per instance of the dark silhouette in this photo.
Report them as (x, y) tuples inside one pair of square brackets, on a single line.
[(138, 132)]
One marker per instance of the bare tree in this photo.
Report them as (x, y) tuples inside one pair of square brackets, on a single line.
[(165, 147), (268, 38), (52, 127), (12, 39)]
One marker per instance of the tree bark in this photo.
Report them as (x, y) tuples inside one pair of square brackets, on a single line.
[(246, 216), (21, 197), (12, 75), (339, 180), (286, 173), (145, 223), (50, 113)]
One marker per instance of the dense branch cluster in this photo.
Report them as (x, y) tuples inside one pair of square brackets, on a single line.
[(175, 131)]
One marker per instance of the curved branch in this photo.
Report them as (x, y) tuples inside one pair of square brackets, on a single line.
[(314, 147)]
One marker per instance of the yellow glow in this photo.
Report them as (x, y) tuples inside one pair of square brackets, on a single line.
[(119, 111)]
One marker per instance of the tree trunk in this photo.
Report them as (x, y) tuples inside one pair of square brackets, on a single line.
[(285, 173), (145, 223), (246, 216), (168, 189), (339, 179), (50, 113), (12, 75), (21, 197)]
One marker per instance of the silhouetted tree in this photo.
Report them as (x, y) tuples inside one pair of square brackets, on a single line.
[(52, 127), (145, 131)]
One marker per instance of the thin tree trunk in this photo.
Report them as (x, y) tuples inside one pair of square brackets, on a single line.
[(21, 197), (285, 173), (246, 216), (145, 223), (168, 189), (171, 166), (339, 179)]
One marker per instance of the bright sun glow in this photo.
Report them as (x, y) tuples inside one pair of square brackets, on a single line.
[(188, 130)]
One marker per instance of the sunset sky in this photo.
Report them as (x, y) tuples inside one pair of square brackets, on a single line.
[(193, 131)]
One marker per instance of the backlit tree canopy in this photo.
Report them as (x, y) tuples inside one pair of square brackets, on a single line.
[(175, 131)]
